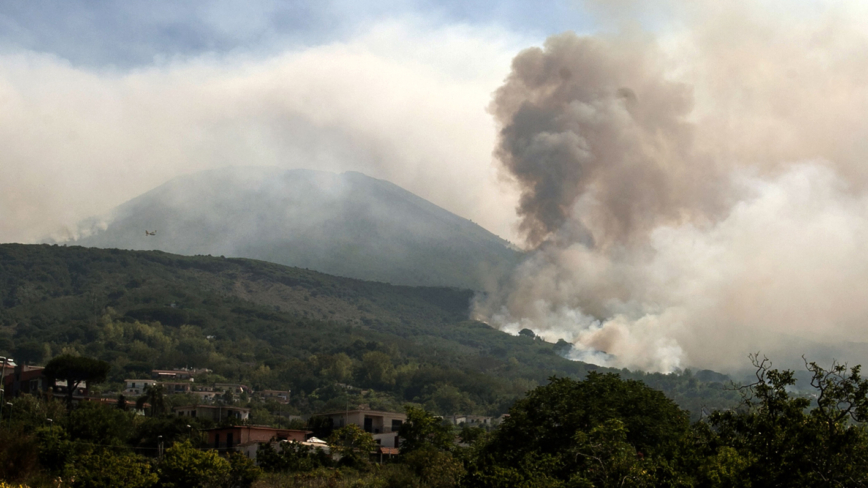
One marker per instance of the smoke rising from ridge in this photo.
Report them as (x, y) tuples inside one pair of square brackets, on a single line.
[(690, 198)]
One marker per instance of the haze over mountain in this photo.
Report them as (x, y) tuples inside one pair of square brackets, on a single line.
[(344, 224)]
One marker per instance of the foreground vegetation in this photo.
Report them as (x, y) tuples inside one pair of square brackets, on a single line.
[(603, 431)]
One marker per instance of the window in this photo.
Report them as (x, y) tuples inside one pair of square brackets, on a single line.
[(217, 441), (229, 440), (396, 424)]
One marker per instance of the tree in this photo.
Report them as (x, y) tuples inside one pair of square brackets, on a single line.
[(107, 469), (556, 430), (353, 444), (100, 424), (775, 439), (155, 396), (243, 472), (423, 431), (74, 370), (29, 352), (184, 466), (378, 370), (292, 456)]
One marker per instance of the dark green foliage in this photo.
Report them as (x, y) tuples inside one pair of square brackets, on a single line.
[(184, 466), (776, 440), (74, 370), (103, 468), (423, 431), (154, 395), (274, 327), (242, 471), (99, 424), (560, 429), (19, 454), (30, 352), (353, 445), (291, 457)]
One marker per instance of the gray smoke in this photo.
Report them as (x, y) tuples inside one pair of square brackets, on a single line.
[(593, 122), (685, 199)]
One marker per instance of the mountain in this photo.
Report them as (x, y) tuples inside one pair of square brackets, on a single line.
[(342, 224), (276, 327)]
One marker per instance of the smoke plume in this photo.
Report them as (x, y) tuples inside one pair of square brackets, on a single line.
[(692, 199)]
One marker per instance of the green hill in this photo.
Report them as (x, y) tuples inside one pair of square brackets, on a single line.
[(276, 327), (343, 224)]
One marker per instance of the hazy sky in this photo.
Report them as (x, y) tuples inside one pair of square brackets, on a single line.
[(101, 101), (691, 175)]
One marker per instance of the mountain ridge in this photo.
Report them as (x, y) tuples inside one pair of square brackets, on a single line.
[(346, 224)]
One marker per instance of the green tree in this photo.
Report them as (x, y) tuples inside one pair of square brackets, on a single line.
[(107, 469), (775, 439), (424, 431), (243, 472), (551, 434), (30, 352), (353, 444), (340, 368), (439, 469), (292, 457), (184, 466), (377, 369), (155, 395), (74, 370), (100, 424)]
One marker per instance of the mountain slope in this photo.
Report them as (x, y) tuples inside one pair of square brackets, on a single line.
[(278, 327), (347, 225)]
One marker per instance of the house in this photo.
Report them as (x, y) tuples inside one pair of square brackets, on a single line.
[(177, 374), (213, 412), (277, 395), (25, 379), (206, 396), (173, 387), (137, 387), (383, 426), (32, 380), (235, 437), (471, 420), (236, 389)]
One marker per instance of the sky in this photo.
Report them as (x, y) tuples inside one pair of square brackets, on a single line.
[(102, 101), (689, 177)]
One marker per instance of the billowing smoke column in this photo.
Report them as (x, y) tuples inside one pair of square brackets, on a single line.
[(650, 248), (596, 138)]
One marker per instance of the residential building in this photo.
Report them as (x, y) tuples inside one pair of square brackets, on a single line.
[(470, 420), (236, 389), (226, 438), (173, 387), (383, 426), (277, 395), (213, 412), (207, 396), (137, 387), (32, 380), (177, 374)]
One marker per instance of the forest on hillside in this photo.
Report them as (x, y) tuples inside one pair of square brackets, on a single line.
[(332, 341)]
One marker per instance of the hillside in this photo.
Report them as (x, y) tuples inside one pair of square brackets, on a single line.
[(278, 327), (343, 224)]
